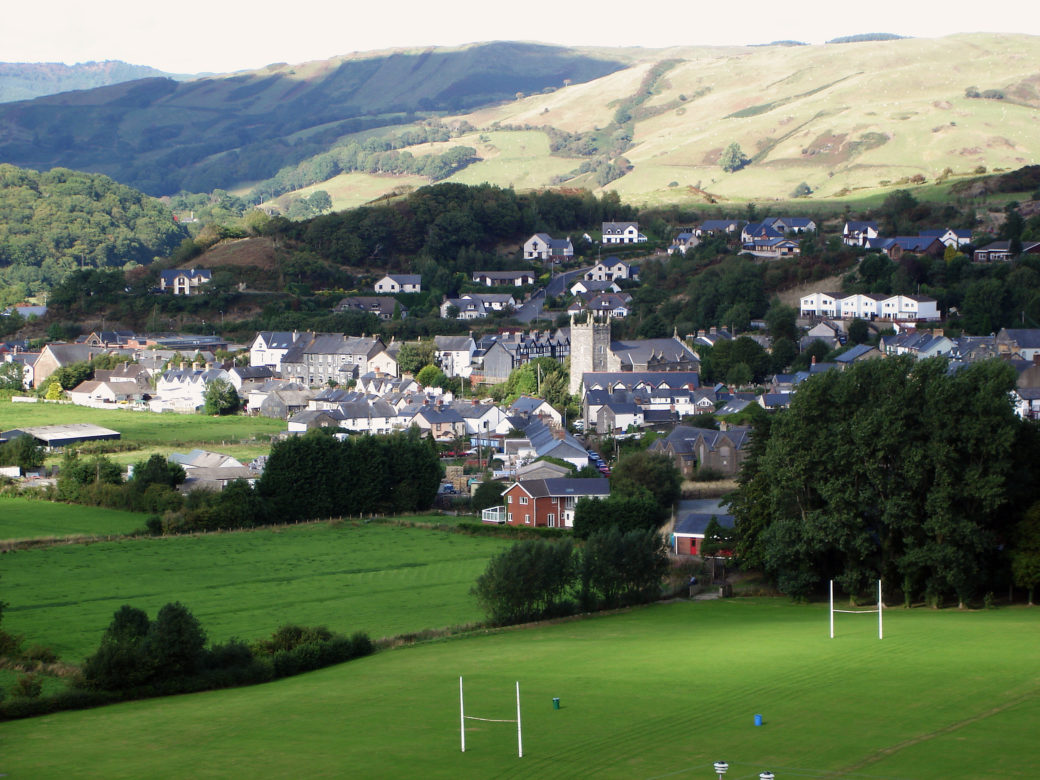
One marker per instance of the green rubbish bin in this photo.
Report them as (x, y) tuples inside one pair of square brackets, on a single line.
[(556, 702)]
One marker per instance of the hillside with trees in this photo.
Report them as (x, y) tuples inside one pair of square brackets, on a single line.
[(60, 220)]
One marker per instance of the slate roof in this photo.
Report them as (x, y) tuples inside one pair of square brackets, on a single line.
[(279, 339), (854, 353), (633, 352), (1026, 338), (453, 343), (566, 486), (631, 379), (403, 279)]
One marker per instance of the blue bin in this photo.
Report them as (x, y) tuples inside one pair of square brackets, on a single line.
[(556, 702), (758, 720)]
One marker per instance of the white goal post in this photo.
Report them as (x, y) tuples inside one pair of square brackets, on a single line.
[(880, 610), (463, 717)]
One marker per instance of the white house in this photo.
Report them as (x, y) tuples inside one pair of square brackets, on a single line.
[(864, 306), (610, 270), (184, 281), (269, 347), (455, 354), (622, 233), (399, 283), (908, 307), (858, 233), (542, 246), (821, 304), (184, 389)]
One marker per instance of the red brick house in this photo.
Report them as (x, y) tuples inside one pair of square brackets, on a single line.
[(550, 502)]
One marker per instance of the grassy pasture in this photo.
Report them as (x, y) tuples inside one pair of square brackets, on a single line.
[(653, 693), (143, 427), (21, 518), (384, 580)]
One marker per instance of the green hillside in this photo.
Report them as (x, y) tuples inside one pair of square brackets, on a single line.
[(162, 136), (59, 220)]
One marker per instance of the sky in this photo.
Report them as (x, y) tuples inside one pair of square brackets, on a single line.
[(195, 36)]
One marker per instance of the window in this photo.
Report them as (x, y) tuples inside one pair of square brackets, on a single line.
[(509, 499), (523, 499), (551, 520), (527, 519)]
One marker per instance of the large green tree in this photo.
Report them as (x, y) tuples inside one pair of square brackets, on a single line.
[(894, 469)]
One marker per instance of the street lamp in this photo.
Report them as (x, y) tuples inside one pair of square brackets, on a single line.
[(721, 767)]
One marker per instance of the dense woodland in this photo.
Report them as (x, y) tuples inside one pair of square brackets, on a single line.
[(61, 220)]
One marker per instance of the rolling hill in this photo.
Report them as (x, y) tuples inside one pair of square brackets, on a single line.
[(846, 119), (162, 136)]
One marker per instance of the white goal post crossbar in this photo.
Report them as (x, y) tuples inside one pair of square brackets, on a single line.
[(879, 610), (463, 717)]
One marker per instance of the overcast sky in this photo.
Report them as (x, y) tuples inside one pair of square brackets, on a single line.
[(192, 36)]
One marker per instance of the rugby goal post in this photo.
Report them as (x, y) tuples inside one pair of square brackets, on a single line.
[(463, 717), (880, 610)]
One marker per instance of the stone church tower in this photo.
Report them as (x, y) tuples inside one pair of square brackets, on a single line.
[(590, 348)]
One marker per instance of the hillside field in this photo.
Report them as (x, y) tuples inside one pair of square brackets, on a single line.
[(381, 579), (21, 518), (652, 693)]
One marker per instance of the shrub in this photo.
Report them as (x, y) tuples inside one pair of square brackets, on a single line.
[(41, 654), (28, 686)]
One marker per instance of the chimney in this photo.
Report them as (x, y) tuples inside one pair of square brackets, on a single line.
[(937, 332), (714, 331), (700, 333), (814, 360), (209, 365), (723, 425), (194, 365)]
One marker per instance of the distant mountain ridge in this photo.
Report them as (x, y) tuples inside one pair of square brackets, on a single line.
[(813, 121), (28, 80), (162, 136)]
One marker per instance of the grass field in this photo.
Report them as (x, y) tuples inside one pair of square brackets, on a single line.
[(142, 427), (21, 518), (384, 580), (654, 693)]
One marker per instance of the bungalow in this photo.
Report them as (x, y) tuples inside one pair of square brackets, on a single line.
[(477, 305), (622, 233), (1000, 251), (920, 344), (711, 227), (399, 283), (857, 354), (542, 246), (550, 503), (98, 393), (583, 286), (691, 522), (383, 307), (504, 278), (896, 247)]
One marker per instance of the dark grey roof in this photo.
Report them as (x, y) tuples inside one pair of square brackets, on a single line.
[(566, 486)]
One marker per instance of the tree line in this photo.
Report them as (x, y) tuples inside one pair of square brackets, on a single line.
[(892, 469), (306, 477)]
